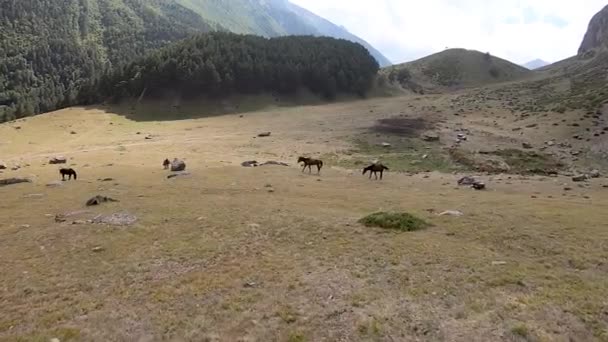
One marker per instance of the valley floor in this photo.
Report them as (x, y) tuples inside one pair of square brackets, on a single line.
[(229, 253)]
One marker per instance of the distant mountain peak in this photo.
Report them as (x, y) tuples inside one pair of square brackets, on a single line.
[(536, 64)]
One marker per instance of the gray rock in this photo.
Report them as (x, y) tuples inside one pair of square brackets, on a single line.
[(58, 160), (116, 219), (430, 136), (595, 174), (178, 165), (250, 163), (580, 178), (467, 180), (97, 200), (12, 181)]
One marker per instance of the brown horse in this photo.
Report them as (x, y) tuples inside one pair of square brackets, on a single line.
[(69, 173), (166, 164), (375, 169), (309, 162)]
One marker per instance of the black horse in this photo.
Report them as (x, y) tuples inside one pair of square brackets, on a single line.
[(309, 162), (69, 173), (375, 169)]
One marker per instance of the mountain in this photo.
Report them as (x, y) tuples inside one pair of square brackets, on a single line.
[(536, 64), (455, 68), (272, 18), (597, 33)]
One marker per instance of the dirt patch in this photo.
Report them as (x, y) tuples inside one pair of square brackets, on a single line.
[(406, 127)]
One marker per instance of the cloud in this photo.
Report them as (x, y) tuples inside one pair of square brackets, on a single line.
[(518, 30)]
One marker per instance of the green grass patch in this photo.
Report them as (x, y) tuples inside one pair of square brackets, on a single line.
[(529, 162), (397, 221), (404, 155)]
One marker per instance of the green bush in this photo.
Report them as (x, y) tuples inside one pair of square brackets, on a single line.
[(398, 221)]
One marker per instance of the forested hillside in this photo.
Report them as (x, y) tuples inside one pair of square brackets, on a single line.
[(53, 53), (273, 18), (222, 63), (51, 49)]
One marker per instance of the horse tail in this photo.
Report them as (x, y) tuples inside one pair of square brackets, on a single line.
[(75, 176), (320, 163)]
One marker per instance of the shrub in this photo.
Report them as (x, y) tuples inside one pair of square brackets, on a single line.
[(398, 221)]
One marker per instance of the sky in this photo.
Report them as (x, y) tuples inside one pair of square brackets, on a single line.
[(518, 30)]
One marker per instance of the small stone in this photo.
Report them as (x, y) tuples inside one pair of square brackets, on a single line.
[(594, 174), (25, 226), (526, 145), (499, 263), (264, 134), (580, 178), (79, 222), (451, 213), (58, 160), (268, 186), (98, 249), (270, 190)]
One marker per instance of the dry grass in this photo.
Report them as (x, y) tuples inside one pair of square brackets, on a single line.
[(216, 256)]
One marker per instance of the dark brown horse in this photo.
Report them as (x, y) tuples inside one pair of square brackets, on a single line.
[(69, 173), (309, 162), (375, 169), (166, 164)]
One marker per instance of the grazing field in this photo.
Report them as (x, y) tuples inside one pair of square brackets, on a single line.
[(228, 253)]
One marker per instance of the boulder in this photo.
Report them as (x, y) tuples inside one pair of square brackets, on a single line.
[(178, 165), (97, 200), (467, 180), (430, 136), (58, 160), (249, 163), (580, 178), (11, 181)]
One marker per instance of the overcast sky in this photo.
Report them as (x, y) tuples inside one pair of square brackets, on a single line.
[(518, 30)]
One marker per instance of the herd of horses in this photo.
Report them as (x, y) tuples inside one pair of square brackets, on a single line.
[(373, 169)]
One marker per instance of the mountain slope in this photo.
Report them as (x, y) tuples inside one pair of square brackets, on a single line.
[(456, 68), (536, 64), (272, 18), (50, 52)]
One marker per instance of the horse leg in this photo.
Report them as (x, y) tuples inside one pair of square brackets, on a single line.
[(304, 168), (381, 172), (319, 168), (310, 168)]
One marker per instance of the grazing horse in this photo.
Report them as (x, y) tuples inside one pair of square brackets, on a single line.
[(374, 169), (166, 164), (69, 173), (309, 162)]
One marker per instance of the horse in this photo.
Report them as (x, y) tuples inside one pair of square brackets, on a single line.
[(309, 162), (374, 169), (166, 164), (69, 173)]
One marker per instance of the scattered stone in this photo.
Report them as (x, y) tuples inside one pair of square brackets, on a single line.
[(268, 186), (499, 263), (79, 222), (385, 144), (16, 167), (253, 225), (178, 165), (55, 184), (272, 162), (270, 190), (58, 160), (98, 249), (181, 174), (73, 132), (116, 219), (467, 180), (106, 180), (532, 125), (567, 188), (461, 137), (54, 339), (97, 200), (3, 166), (11, 181), (249, 284), (451, 213), (25, 226), (527, 146), (33, 196), (580, 178), (264, 134), (479, 186), (430, 137), (594, 174), (550, 143), (250, 163)]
